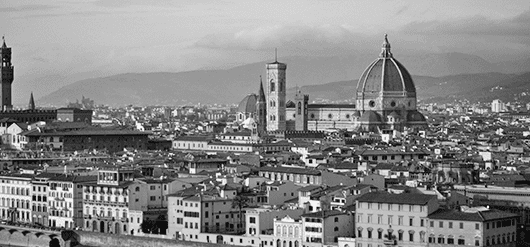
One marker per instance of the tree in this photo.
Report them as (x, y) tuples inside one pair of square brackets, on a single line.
[(240, 202), (161, 224), (147, 226)]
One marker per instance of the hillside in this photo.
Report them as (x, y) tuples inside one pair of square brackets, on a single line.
[(229, 86)]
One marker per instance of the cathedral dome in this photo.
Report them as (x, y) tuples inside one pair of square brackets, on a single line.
[(370, 117), (385, 74), (248, 104), (415, 116)]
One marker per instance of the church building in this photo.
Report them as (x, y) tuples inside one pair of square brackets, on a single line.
[(385, 100)]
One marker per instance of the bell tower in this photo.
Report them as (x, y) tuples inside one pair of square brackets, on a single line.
[(301, 110), (6, 76), (276, 96)]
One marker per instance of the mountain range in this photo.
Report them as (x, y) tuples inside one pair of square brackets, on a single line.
[(438, 77)]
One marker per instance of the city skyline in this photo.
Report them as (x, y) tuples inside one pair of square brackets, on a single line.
[(62, 42)]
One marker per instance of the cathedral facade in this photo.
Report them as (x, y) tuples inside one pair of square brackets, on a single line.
[(385, 99)]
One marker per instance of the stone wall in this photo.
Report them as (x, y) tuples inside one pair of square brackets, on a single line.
[(74, 238), (19, 236)]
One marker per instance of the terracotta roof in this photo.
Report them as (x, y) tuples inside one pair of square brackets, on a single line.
[(486, 215), (404, 198), (327, 213), (290, 170)]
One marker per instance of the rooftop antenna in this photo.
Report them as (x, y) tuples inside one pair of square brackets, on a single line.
[(276, 54)]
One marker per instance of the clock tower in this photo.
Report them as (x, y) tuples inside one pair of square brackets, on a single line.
[(276, 89), (6, 76)]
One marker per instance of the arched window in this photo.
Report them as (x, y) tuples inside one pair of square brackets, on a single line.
[(273, 85)]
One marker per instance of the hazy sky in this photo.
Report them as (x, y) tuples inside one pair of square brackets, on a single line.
[(58, 42)]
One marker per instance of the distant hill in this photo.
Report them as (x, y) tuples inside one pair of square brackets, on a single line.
[(429, 89), (434, 78)]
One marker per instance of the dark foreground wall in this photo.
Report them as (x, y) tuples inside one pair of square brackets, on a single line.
[(74, 238), (18, 236)]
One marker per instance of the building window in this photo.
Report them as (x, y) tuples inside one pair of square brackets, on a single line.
[(441, 224), (450, 224), (477, 226), (252, 219), (450, 240), (461, 225), (371, 103), (461, 242)]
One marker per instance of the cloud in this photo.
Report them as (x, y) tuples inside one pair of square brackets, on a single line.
[(293, 38), (27, 8), (478, 26)]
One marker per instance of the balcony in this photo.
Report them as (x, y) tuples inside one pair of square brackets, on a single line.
[(390, 242), (105, 218)]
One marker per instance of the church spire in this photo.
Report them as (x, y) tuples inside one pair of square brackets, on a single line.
[(31, 105), (4, 40), (261, 95), (385, 50)]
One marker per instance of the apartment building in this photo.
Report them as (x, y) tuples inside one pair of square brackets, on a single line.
[(261, 221), (304, 177), (39, 199), (393, 219), (204, 210), (325, 227), (477, 226), (65, 200), (107, 200), (15, 197)]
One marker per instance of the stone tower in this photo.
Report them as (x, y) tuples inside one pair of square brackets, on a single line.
[(276, 96), (261, 110), (6, 75), (301, 110), (31, 105)]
